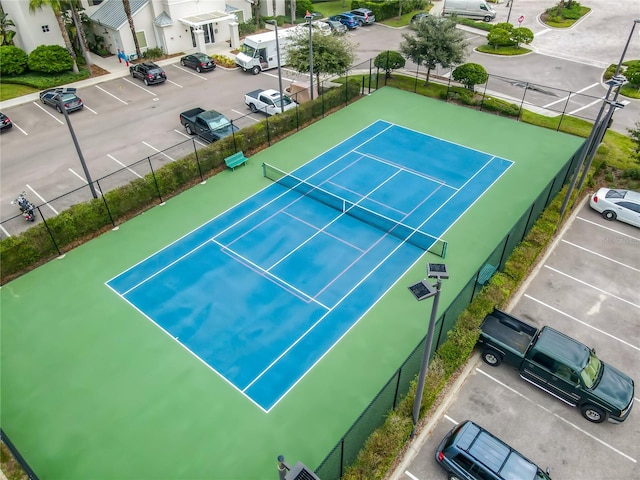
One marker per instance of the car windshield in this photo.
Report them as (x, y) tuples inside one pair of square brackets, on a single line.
[(68, 97), (285, 100), (201, 57), (591, 371), (249, 51), (218, 122)]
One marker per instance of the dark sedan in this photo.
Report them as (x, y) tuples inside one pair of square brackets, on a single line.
[(70, 100), (5, 122), (148, 72), (200, 62)]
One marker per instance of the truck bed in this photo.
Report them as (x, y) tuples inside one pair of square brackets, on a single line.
[(508, 331)]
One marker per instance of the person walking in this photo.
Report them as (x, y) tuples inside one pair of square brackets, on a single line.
[(122, 56)]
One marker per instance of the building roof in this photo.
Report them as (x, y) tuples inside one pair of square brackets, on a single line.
[(163, 20), (111, 14)]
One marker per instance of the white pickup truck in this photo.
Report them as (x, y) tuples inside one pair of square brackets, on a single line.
[(268, 101)]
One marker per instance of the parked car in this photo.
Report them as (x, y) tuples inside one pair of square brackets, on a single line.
[(347, 19), (148, 72), (419, 16), (336, 27), (469, 452), (613, 204), (321, 27), (5, 122), (364, 16), (200, 62), (207, 124), (70, 100)]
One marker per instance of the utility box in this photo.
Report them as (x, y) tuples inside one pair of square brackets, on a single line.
[(301, 92)]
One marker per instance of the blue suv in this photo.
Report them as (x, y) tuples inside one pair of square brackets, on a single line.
[(349, 20)]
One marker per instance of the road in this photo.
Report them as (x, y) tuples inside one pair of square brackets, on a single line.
[(125, 122)]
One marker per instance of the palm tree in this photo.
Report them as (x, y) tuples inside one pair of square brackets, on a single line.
[(57, 11), (127, 10), (82, 38), (7, 28)]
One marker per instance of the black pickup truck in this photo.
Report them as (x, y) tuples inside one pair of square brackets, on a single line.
[(559, 365), (207, 124)]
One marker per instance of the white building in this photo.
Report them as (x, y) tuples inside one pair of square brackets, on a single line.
[(173, 25)]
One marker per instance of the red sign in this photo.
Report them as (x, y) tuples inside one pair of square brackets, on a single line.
[(521, 19)]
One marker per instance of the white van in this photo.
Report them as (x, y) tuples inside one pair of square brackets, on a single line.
[(259, 52), (469, 8)]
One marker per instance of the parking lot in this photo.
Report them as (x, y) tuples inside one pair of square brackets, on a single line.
[(587, 287)]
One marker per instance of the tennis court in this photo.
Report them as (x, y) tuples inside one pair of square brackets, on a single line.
[(305, 258), (287, 294)]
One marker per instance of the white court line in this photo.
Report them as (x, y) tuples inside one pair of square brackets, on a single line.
[(111, 94), (122, 164), (43, 200), (602, 442), (48, 113), (591, 286), (580, 321), (601, 256), (162, 153), (195, 139)]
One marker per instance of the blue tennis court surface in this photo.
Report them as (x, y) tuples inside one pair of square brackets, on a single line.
[(262, 292)]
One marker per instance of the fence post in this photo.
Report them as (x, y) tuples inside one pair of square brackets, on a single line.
[(46, 225), (155, 181), (106, 205)]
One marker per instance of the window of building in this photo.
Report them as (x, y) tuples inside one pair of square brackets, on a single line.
[(45, 28)]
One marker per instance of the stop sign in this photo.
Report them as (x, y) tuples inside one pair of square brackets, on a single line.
[(521, 19)]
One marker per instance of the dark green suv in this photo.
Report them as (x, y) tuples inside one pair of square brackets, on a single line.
[(469, 452)]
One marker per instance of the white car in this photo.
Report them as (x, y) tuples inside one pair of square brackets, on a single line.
[(623, 205)]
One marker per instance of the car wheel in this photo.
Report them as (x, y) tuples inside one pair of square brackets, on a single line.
[(188, 129), (253, 108), (255, 70), (59, 109), (487, 18), (132, 74), (182, 63), (453, 476), (198, 69), (491, 357), (146, 82), (361, 23), (593, 414), (609, 215)]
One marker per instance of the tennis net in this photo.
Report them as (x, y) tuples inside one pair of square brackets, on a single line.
[(392, 227)]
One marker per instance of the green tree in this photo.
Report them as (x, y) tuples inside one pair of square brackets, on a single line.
[(499, 37), (436, 41), (634, 133), (56, 6), (127, 10), (521, 35), (50, 59), (331, 54), (632, 74), (74, 7), (7, 28), (389, 60), (470, 75), (13, 60)]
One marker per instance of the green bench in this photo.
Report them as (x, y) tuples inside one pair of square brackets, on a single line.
[(235, 160), (486, 272)]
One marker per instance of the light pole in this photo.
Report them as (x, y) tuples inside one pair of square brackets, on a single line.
[(510, 5), (423, 290), (275, 24), (308, 17), (63, 109)]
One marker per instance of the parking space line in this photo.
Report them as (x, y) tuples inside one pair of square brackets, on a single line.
[(580, 321), (139, 86), (591, 286), (43, 200), (48, 113), (411, 475), (84, 180), (189, 136), (162, 153), (595, 102), (111, 94), (185, 70), (174, 83), (16, 125), (563, 99), (558, 416), (91, 110), (5, 231), (608, 228), (451, 420), (120, 163), (601, 256)]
